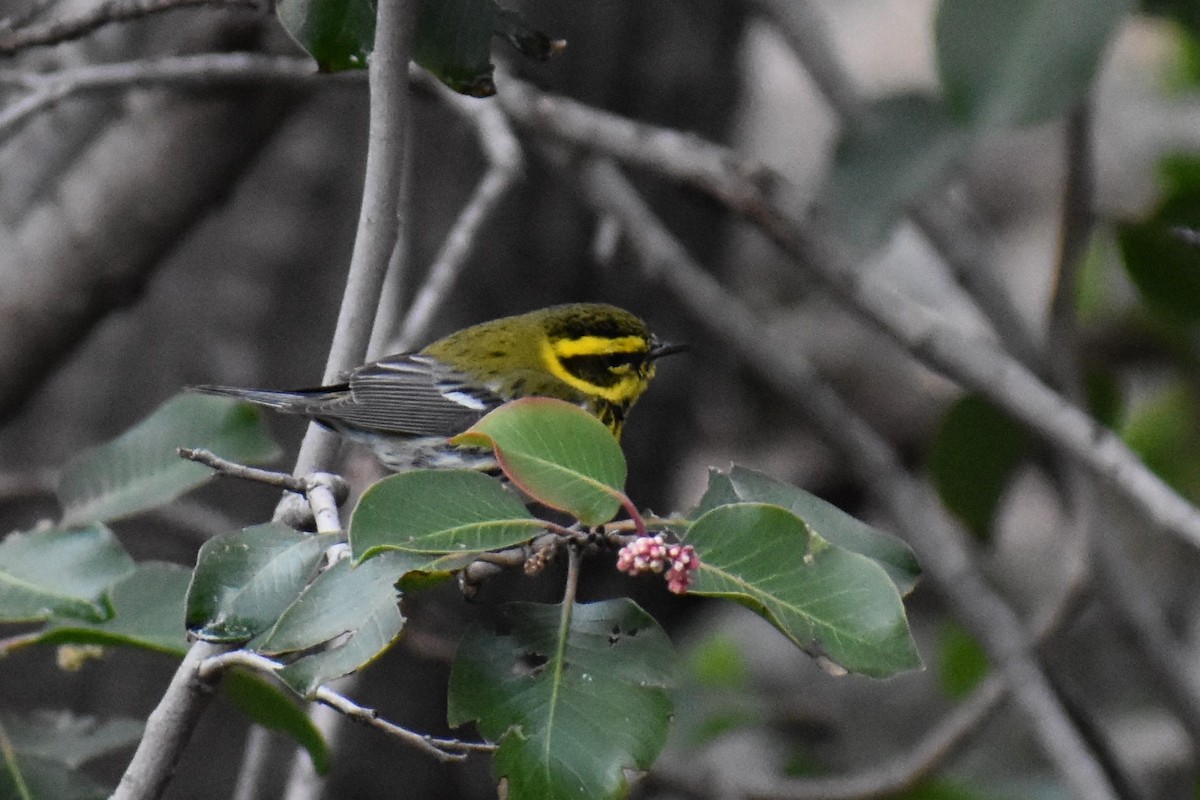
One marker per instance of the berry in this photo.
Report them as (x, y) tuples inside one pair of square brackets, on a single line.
[(653, 554)]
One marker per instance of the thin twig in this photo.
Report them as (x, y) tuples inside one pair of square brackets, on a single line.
[(1074, 233), (322, 492), (10, 644), (208, 70), (532, 556), (198, 71), (444, 750), (940, 545), (806, 33), (231, 469), (58, 31), (213, 666), (506, 164)]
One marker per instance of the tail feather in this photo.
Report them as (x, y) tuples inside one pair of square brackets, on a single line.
[(296, 402)]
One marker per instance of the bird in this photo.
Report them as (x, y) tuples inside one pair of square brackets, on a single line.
[(405, 407)]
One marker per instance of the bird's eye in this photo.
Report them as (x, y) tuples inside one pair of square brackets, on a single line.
[(615, 361)]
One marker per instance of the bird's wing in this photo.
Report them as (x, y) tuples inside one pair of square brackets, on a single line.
[(410, 394)]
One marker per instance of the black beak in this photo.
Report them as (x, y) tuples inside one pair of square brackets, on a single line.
[(659, 349)]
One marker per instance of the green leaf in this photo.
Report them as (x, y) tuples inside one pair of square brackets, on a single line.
[(141, 469), (244, 581), (903, 148), (833, 603), (59, 572), (454, 43), (339, 34), (353, 611), (278, 711), (147, 611), (455, 513), (1105, 400), (25, 777), (67, 738), (742, 485), (453, 37), (557, 453), (718, 662), (962, 664), (572, 706), (1163, 262), (1021, 62), (977, 449), (41, 753), (1165, 433)]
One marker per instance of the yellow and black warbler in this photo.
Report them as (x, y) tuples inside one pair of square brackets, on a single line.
[(405, 406)]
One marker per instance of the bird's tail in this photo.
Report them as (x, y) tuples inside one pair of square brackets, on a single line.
[(304, 401)]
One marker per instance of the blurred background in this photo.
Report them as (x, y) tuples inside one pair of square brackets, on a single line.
[(155, 238)]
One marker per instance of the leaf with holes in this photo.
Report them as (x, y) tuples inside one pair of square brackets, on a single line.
[(557, 453), (835, 604), (141, 469), (573, 697)]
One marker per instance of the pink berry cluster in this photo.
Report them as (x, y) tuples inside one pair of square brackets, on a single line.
[(654, 554)]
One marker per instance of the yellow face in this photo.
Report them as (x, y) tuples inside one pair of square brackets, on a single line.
[(617, 368)]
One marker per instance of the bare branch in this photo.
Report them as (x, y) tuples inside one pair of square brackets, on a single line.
[(14, 40), (940, 545), (443, 750), (377, 222), (280, 480), (209, 70), (506, 164)]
